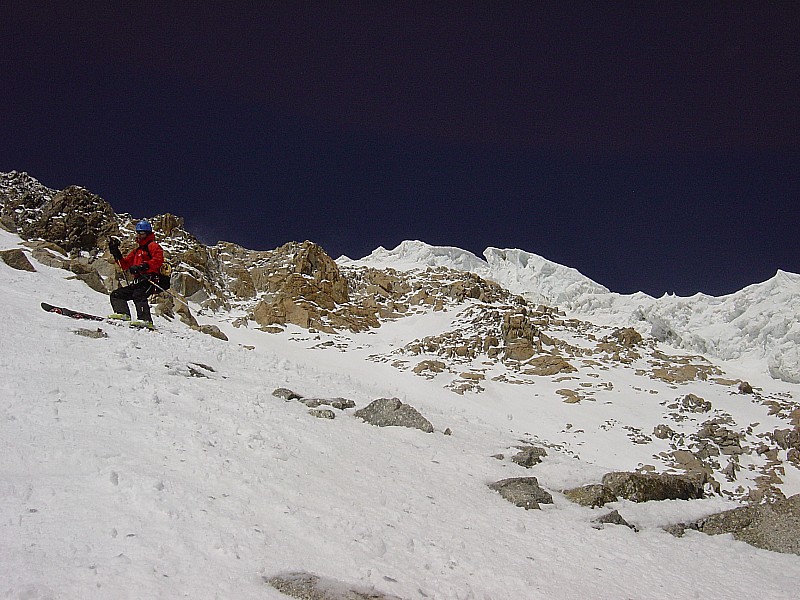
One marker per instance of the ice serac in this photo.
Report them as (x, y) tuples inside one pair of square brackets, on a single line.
[(523, 273), (537, 278), (413, 254), (758, 322)]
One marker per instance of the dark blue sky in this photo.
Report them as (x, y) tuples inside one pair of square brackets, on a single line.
[(652, 146)]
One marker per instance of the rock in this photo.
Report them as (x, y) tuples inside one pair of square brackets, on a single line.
[(16, 259), (644, 487), (745, 388), (548, 365), (520, 349), (93, 280), (91, 333), (663, 432), (517, 326), (627, 337), (322, 413), (432, 366), (386, 412), (613, 518), (523, 492), (305, 288), (694, 404), (306, 586), (186, 316), (213, 331), (286, 394), (337, 403), (774, 526), (529, 457), (787, 439), (593, 495), (570, 396)]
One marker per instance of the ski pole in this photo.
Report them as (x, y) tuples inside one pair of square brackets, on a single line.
[(171, 293), (123, 272)]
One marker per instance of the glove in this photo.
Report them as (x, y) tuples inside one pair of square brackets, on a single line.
[(136, 269), (113, 247)]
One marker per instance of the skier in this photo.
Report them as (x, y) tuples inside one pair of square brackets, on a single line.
[(144, 264)]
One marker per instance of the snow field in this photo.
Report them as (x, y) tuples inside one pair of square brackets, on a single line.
[(123, 476)]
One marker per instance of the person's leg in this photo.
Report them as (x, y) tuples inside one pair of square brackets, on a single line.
[(140, 293), (120, 298)]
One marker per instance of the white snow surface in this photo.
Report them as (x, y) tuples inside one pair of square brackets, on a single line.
[(123, 476), (758, 325)]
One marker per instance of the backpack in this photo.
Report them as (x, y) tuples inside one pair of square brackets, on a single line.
[(162, 278)]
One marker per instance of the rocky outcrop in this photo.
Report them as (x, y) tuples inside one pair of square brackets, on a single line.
[(387, 412), (304, 287), (74, 218), (773, 526)]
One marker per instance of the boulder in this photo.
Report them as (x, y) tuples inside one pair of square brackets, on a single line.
[(593, 495), (386, 412), (643, 487), (519, 349), (530, 456), (213, 331), (523, 492), (773, 526), (286, 394), (16, 259), (627, 337)]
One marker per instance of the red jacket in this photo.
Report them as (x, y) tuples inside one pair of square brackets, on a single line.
[(148, 252)]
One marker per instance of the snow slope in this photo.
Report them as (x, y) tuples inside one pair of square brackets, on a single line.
[(159, 465), (757, 325)]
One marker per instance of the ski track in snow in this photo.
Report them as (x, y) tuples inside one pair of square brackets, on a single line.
[(124, 477)]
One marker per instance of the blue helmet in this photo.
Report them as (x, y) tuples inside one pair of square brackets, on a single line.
[(144, 225)]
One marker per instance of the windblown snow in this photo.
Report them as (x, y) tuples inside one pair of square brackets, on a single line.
[(141, 464)]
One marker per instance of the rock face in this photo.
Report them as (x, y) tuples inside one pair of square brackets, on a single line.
[(523, 492), (74, 218), (390, 411), (774, 526)]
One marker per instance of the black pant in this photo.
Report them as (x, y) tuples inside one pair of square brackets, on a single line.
[(138, 291)]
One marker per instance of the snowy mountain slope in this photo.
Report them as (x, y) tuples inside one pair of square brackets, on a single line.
[(758, 324), (160, 465), (523, 273)]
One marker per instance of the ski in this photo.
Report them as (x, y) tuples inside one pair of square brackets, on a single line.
[(73, 314)]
